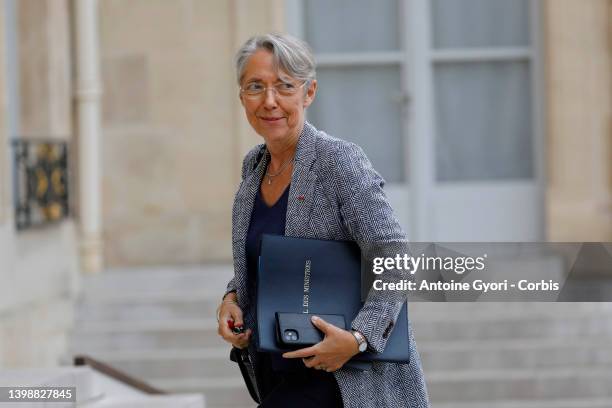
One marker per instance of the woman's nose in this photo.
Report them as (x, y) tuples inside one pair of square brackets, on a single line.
[(270, 97)]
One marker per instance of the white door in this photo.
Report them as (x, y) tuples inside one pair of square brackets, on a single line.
[(477, 120), (441, 96), (362, 76)]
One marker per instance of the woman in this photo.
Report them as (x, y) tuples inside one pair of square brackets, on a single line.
[(304, 183)]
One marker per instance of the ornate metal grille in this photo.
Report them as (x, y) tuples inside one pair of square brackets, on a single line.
[(41, 182)]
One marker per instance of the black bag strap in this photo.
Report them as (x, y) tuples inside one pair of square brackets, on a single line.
[(241, 357)]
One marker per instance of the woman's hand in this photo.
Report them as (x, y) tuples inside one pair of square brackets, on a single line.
[(230, 311), (332, 352)]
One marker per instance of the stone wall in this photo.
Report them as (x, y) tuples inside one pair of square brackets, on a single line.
[(44, 56), (579, 144), (173, 133), (40, 281), (38, 267), (4, 162)]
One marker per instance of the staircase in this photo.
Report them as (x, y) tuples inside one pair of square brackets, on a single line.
[(159, 325), (516, 355)]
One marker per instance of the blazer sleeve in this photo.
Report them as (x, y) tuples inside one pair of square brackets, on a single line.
[(369, 219), (248, 163), (231, 286)]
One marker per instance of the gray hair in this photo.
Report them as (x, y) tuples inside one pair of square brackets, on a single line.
[(291, 55)]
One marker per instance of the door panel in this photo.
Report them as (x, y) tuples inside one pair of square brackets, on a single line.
[(485, 212), (357, 104), (484, 184), (480, 23), (351, 25), (484, 128)]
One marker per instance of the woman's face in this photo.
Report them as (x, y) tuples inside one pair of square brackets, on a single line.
[(277, 117)]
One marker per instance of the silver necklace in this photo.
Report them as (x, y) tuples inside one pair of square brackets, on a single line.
[(282, 168)]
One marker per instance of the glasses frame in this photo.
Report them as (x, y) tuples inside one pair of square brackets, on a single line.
[(264, 92)]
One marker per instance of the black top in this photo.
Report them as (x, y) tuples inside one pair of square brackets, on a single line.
[(266, 220)]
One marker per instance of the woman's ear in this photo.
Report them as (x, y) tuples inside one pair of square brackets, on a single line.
[(310, 93)]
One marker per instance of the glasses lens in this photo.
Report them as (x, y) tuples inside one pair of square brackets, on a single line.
[(257, 90), (285, 89), (253, 89)]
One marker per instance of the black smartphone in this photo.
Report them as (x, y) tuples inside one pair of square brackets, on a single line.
[(295, 330)]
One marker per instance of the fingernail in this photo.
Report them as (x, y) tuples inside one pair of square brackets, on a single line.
[(315, 318)]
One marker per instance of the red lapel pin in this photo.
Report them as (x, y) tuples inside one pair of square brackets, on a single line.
[(301, 197)]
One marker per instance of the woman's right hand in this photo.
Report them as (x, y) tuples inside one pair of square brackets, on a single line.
[(230, 311)]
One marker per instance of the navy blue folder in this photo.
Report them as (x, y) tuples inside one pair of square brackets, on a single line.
[(300, 275)]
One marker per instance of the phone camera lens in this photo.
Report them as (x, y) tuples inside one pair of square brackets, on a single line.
[(291, 335)]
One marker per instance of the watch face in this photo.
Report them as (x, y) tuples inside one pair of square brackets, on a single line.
[(362, 347)]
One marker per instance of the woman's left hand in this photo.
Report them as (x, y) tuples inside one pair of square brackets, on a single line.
[(332, 352)]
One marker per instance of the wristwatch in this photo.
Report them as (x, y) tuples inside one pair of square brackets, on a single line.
[(362, 343)]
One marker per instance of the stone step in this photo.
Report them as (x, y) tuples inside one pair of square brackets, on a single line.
[(146, 335), (149, 401), (501, 310), (102, 327), (495, 385), (155, 364), (440, 357), (116, 394), (208, 280), (515, 354), (80, 377), (551, 403), (220, 391), (182, 306), (577, 327)]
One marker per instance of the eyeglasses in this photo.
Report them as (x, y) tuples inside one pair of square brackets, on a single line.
[(256, 90)]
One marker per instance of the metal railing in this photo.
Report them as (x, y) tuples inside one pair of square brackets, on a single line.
[(83, 360), (41, 182)]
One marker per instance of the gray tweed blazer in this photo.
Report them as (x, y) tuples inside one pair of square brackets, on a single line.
[(341, 198)]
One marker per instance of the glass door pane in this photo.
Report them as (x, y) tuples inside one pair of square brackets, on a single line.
[(360, 104), (484, 126), (480, 23), (352, 25)]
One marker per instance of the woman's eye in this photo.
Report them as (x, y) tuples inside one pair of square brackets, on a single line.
[(285, 86), (254, 87)]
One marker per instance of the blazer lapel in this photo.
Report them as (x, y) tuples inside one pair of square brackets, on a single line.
[(303, 180), (245, 198)]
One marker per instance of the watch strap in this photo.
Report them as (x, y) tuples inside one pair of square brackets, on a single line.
[(362, 343)]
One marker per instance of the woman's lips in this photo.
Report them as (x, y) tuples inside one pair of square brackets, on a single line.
[(271, 120)]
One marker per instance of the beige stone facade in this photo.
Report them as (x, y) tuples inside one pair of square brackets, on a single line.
[(579, 99), (4, 166), (173, 133), (45, 69), (38, 268)]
